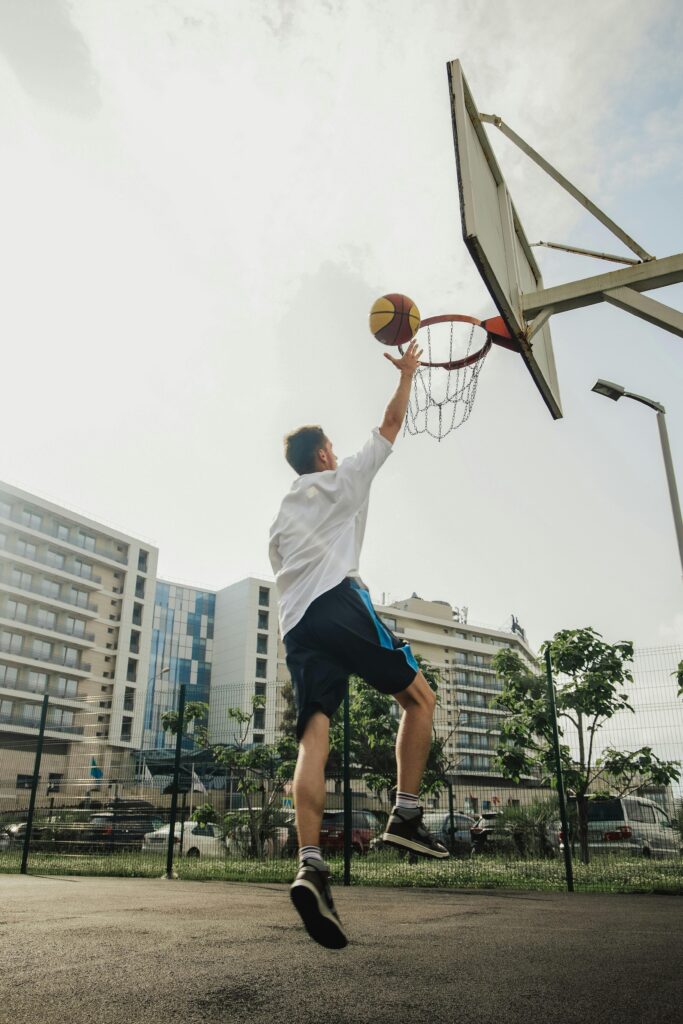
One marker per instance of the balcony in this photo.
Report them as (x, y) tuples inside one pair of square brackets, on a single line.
[(41, 592), (17, 720), (50, 530), (40, 660), (34, 620)]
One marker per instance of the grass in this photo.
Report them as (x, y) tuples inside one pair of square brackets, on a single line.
[(613, 875)]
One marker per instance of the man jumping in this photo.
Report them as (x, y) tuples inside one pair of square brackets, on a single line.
[(331, 631)]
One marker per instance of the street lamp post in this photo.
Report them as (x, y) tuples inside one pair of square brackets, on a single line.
[(615, 392)]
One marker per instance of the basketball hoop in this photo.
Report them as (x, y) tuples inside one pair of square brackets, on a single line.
[(445, 385)]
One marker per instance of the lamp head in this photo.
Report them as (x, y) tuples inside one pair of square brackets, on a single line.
[(608, 389)]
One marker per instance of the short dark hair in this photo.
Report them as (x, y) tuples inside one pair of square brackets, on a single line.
[(302, 446)]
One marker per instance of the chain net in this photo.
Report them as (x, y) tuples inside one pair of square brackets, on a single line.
[(441, 399)]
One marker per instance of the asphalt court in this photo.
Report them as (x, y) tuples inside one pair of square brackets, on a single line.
[(116, 950)]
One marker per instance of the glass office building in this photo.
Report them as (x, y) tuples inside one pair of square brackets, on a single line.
[(182, 651)]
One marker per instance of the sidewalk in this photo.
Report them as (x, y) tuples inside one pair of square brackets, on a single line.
[(112, 950)]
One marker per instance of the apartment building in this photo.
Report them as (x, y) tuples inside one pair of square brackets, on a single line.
[(464, 719), (245, 661), (76, 600)]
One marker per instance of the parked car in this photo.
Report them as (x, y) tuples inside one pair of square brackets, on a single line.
[(197, 840), (116, 831), (459, 842), (274, 840), (489, 834), (631, 825), (364, 827), (16, 832), (493, 833)]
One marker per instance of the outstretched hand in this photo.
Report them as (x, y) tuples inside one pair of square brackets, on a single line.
[(409, 361)]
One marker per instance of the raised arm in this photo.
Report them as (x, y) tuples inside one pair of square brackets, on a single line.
[(398, 406)]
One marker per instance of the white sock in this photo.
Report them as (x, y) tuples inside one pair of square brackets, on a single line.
[(407, 800), (310, 853)]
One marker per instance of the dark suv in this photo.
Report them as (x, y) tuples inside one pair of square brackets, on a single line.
[(122, 826)]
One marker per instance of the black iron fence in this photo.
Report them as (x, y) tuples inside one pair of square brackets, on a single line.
[(215, 801)]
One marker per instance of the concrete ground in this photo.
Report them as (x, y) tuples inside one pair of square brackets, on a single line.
[(115, 950)]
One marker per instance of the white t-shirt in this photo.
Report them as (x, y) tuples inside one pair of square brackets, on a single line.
[(317, 535)]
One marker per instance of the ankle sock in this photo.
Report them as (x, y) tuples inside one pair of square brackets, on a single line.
[(408, 800), (310, 853)]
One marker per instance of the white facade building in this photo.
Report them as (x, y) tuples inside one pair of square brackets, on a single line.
[(76, 601)]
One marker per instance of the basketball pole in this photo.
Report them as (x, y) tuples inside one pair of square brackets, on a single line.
[(347, 788)]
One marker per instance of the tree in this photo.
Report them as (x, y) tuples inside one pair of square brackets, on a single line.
[(594, 676), (257, 768), (374, 719), (679, 678)]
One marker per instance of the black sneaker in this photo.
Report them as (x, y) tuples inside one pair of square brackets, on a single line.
[(405, 829), (311, 895)]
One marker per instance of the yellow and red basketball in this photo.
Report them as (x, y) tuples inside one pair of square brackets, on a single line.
[(394, 319)]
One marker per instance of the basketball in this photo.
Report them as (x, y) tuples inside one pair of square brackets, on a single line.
[(394, 319)]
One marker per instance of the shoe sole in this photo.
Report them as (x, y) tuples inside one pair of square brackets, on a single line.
[(410, 844), (320, 924)]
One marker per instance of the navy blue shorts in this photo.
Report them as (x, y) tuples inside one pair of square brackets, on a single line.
[(341, 635)]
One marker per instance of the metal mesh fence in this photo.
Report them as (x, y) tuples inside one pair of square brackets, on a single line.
[(105, 810)]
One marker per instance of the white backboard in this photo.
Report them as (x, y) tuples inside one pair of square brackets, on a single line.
[(495, 238)]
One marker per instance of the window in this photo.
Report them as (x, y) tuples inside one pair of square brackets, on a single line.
[(30, 714), (55, 558), (261, 644), (21, 579), (142, 561), (46, 619), (5, 510), (263, 620), (17, 610), (31, 519), (260, 718), (79, 597), (24, 781), (260, 690), (137, 614), (129, 699), (640, 812), (82, 569), (264, 596), (139, 586), (11, 641), (37, 682), (75, 626), (86, 540), (126, 727), (62, 531), (50, 588), (261, 668), (8, 675), (26, 548), (70, 656), (41, 648), (135, 641), (54, 779), (66, 687), (131, 674), (258, 737)]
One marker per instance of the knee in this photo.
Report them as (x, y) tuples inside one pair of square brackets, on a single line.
[(419, 695)]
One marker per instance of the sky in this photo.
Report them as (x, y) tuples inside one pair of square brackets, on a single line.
[(202, 199)]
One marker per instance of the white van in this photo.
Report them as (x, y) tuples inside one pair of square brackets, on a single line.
[(631, 825)]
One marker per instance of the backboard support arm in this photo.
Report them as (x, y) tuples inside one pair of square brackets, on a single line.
[(567, 185)]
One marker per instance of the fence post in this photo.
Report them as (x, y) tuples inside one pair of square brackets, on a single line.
[(176, 779), (558, 772), (348, 816), (34, 785)]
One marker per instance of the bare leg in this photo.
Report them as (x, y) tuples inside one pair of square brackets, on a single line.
[(309, 779), (414, 733)]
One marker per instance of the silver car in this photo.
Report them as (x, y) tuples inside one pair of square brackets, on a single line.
[(631, 825)]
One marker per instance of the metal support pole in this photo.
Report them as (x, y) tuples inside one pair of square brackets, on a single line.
[(176, 779), (34, 785), (671, 481), (348, 816), (558, 771), (451, 815)]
